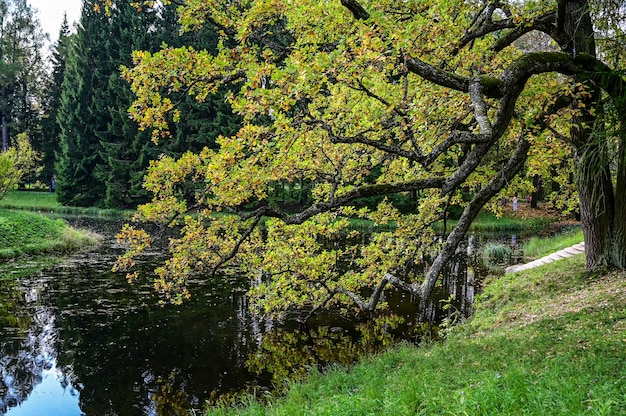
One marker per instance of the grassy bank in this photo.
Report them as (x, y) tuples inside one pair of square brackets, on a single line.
[(542, 246), (26, 233), (47, 202), (551, 340)]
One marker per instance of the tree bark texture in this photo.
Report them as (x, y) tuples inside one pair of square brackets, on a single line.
[(604, 236)]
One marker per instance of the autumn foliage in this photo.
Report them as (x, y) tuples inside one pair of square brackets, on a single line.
[(433, 99)]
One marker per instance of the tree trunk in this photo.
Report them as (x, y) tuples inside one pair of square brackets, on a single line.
[(593, 178), (597, 204), (534, 197), (5, 122)]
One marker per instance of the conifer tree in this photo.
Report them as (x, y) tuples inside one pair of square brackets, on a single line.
[(21, 67), (51, 131), (79, 146), (127, 151), (104, 156), (201, 122), (124, 147)]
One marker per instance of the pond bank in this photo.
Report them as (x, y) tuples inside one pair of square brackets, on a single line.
[(549, 340), (29, 234)]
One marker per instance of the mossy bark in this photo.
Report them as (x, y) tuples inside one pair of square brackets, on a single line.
[(602, 219)]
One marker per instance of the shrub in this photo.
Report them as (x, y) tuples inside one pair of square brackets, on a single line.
[(496, 253)]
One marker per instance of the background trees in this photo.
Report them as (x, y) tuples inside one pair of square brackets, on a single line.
[(21, 68), (83, 77), (365, 99), (51, 101), (103, 154), (19, 160)]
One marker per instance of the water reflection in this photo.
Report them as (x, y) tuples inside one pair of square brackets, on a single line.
[(78, 339), (28, 357), (110, 346)]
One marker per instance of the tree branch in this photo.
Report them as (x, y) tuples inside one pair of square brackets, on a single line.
[(516, 74), (237, 246), (508, 172), (357, 10), (376, 295), (480, 108), (484, 29)]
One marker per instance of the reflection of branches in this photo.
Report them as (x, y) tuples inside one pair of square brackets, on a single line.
[(287, 354), (24, 360)]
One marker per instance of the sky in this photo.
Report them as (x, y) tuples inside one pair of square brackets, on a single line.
[(50, 14)]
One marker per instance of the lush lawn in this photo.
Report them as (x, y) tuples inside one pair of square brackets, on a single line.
[(47, 202), (27, 233), (487, 222), (31, 200), (551, 340)]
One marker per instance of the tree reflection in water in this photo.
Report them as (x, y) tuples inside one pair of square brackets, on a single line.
[(28, 350), (113, 350)]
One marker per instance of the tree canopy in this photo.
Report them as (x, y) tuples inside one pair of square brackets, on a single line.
[(102, 155), (364, 99), (21, 68), (19, 160)]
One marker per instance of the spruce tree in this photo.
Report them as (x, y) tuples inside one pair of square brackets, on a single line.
[(123, 145), (51, 131), (126, 151), (79, 146), (200, 122), (104, 155)]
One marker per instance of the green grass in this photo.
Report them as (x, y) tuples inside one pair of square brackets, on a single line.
[(550, 340), (47, 202), (27, 233), (538, 247), (43, 201), (496, 254), (487, 222)]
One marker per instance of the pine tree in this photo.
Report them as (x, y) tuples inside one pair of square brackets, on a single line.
[(79, 146), (126, 151), (51, 131)]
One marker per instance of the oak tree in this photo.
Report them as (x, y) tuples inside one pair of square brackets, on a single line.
[(370, 99)]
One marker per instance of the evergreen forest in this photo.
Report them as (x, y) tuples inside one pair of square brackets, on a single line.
[(72, 102)]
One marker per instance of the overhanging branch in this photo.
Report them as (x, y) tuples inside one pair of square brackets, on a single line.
[(356, 9), (348, 197)]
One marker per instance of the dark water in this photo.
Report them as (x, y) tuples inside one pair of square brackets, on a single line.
[(78, 339)]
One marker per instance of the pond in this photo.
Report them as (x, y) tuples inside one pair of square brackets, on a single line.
[(77, 339)]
